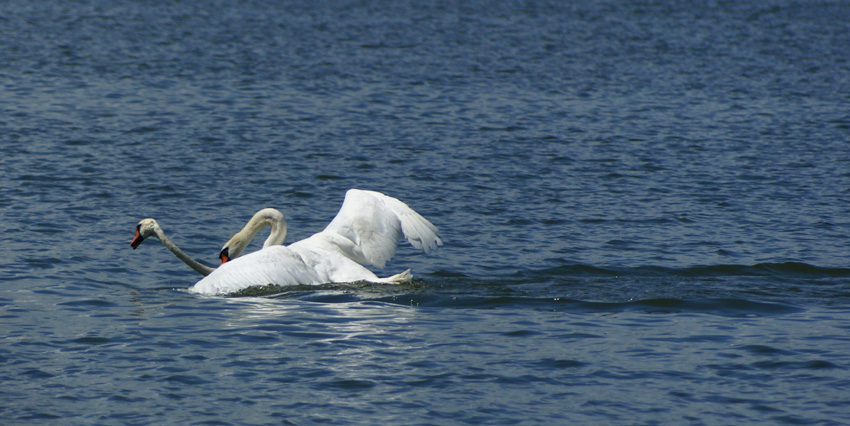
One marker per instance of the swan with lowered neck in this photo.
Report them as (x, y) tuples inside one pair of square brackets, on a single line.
[(232, 249), (150, 228), (365, 231)]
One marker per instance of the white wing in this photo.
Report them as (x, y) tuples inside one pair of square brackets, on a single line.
[(369, 225)]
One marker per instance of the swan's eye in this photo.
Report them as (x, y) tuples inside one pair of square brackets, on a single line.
[(224, 255)]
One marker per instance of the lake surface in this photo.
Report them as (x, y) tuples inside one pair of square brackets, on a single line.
[(645, 210)]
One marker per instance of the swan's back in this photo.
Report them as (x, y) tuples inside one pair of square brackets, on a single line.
[(277, 265)]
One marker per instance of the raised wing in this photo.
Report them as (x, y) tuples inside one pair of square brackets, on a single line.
[(371, 223)]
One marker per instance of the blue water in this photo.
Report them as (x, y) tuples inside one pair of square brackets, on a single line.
[(645, 209)]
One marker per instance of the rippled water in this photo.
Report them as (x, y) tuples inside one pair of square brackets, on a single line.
[(646, 211)]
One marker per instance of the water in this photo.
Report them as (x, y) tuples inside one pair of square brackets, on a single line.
[(645, 209)]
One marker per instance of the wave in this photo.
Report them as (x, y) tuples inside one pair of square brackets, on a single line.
[(731, 307), (727, 290), (423, 295), (784, 269)]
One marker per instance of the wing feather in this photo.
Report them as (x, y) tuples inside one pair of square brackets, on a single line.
[(372, 224)]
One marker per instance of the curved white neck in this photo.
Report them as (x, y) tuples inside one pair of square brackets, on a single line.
[(277, 234), (266, 217)]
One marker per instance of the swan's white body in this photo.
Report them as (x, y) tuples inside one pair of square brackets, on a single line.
[(364, 232)]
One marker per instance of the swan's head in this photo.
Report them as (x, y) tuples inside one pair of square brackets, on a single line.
[(266, 217), (146, 228), (232, 249)]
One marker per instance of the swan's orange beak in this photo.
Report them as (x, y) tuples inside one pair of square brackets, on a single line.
[(137, 239), (224, 256)]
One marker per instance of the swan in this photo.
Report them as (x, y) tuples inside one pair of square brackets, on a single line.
[(365, 231), (150, 228), (232, 249)]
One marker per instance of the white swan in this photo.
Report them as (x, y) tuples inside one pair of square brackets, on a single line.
[(149, 228), (364, 232), (232, 249)]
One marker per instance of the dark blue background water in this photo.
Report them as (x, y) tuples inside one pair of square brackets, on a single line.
[(646, 210)]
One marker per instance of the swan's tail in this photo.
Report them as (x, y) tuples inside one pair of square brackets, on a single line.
[(402, 278)]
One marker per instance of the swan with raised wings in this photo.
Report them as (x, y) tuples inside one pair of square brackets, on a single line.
[(267, 217), (365, 231)]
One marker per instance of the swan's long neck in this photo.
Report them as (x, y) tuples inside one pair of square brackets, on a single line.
[(266, 217), (277, 234), (194, 264)]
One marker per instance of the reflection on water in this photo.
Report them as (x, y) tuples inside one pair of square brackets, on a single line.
[(362, 323)]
